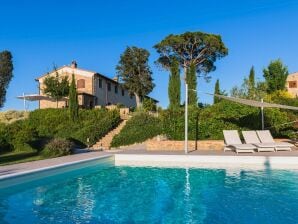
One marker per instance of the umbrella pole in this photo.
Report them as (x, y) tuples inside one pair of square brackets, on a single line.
[(262, 114), (24, 102)]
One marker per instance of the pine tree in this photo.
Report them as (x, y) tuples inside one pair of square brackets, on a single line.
[(174, 85), (216, 91), (251, 84), (191, 80), (73, 100)]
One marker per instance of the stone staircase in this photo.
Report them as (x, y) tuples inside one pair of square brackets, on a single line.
[(105, 142)]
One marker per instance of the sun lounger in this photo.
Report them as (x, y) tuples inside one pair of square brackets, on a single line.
[(251, 137), (232, 140), (266, 137)]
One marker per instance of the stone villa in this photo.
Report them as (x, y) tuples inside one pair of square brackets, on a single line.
[(292, 84), (94, 89)]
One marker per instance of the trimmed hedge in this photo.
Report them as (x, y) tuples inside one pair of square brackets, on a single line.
[(139, 128)]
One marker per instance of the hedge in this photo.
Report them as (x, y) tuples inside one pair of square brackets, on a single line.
[(41, 126), (139, 128), (204, 123), (209, 122)]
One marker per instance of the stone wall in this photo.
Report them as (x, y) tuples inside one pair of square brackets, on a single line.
[(167, 145)]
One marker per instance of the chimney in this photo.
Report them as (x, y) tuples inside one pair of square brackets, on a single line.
[(74, 64)]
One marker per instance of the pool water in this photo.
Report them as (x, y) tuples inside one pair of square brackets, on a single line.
[(154, 195)]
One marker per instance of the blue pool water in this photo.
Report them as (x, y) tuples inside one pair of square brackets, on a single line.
[(154, 195)]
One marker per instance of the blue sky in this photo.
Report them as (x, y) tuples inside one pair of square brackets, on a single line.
[(94, 33)]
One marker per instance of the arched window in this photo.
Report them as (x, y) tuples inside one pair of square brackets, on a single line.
[(81, 83)]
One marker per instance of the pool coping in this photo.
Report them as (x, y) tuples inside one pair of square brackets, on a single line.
[(207, 161), (32, 171), (180, 160)]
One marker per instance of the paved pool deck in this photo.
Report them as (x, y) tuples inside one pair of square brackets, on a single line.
[(134, 150), (39, 164)]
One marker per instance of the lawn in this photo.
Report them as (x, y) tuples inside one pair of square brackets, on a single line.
[(19, 157)]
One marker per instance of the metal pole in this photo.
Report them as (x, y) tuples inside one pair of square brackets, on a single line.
[(186, 119), (24, 99), (262, 114)]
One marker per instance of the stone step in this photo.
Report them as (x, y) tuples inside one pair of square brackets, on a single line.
[(105, 142)]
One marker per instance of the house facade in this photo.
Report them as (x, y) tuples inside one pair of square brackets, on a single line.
[(292, 84), (93, 89)]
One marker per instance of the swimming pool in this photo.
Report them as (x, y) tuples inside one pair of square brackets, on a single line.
[(99, 192)]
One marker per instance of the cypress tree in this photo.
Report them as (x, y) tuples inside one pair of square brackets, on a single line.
[(174, 85), (216, 91), (251, 83), (191, 80), (73, 100), (6, 68)]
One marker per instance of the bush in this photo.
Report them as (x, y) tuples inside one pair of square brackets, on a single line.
[(149, 105), (139, 128), (31, 134), (210, 121), (92, 124), (20, 134), (57, 147), (173, 123), (4, 143), (96, 128)]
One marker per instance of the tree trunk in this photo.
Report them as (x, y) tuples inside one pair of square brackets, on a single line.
[(138, 100), (57, 103)]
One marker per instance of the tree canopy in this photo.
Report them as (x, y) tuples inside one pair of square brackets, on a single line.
[(192, 48), (135, 73), (275, 75), (6, 68), (56, 87)]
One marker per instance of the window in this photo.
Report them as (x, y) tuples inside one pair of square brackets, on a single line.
[(109, 86), (100, 83), (81, 83), (122, 92), (116, 89), (292, 84)]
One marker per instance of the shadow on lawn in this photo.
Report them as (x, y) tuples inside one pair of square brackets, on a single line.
[(16, 156)]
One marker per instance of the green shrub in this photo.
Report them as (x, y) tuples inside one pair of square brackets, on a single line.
[(20, 134), (210, 121), (138, 129), (96, 128), (173, 122), (4, 143), (92, 124), (149, 104), (32, 134), (57, 147)]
